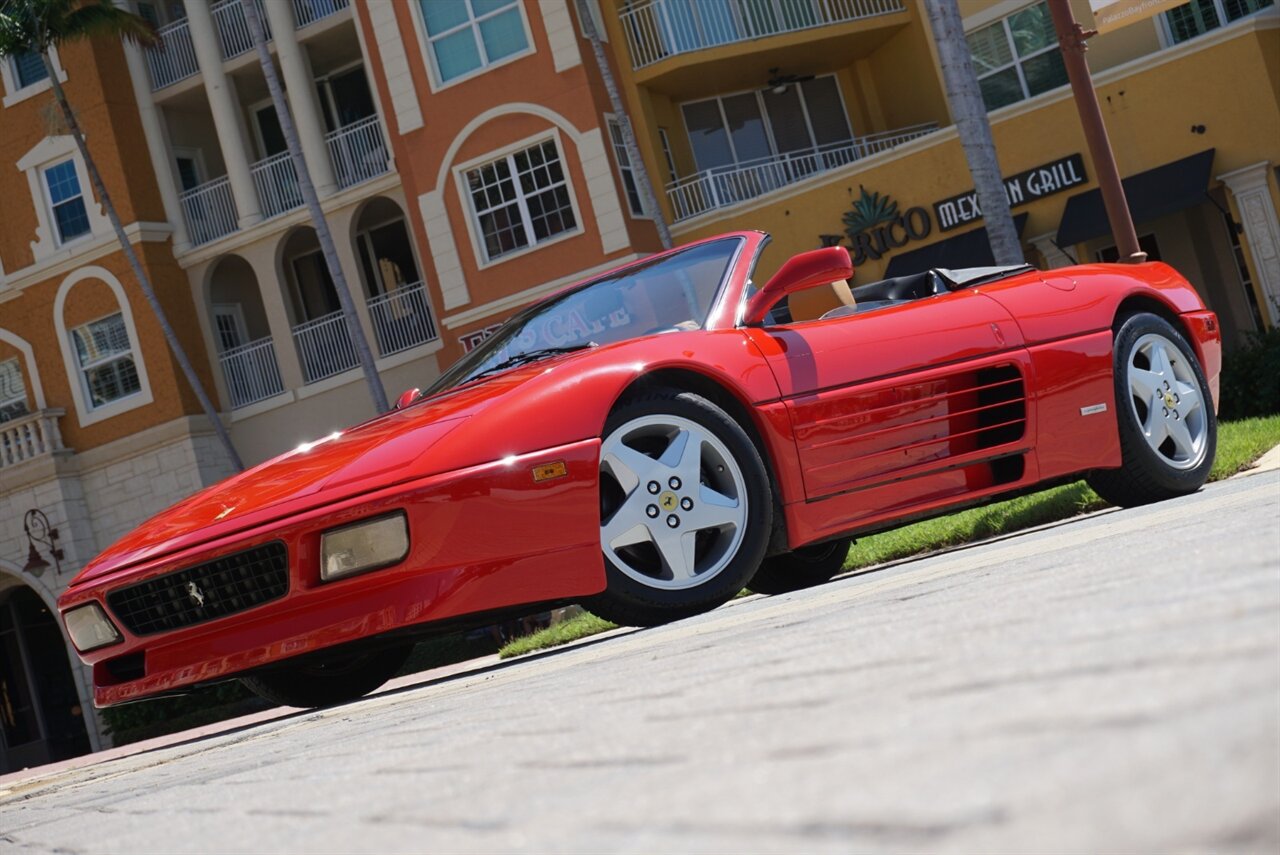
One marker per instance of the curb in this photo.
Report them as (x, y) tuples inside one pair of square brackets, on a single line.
[(1265, 463)]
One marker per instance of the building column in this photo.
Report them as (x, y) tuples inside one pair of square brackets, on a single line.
[(157, 145), (342, 223), (1252, 191), (1054, 255), (303, 101), (226, 111)]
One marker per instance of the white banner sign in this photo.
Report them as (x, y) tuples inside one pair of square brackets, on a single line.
[(1113, 14)]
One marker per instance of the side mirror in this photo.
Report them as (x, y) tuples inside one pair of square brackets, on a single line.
[(801, 272), (407, 397)]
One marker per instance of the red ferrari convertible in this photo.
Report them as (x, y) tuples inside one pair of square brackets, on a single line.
[(649, 442)]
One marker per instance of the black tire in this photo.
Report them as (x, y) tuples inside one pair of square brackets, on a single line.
[(326, 682), (1150, 474), (634, 595), (803, 568)]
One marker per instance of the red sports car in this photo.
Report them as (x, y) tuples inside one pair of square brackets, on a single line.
[(649, 442)]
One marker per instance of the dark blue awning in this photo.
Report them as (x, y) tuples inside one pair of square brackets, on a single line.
[(969, 249), (1152, 194)]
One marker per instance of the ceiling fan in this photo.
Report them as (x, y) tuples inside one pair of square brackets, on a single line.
[(778, 82)]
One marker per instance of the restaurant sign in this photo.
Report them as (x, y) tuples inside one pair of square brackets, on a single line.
[(1025, 187)]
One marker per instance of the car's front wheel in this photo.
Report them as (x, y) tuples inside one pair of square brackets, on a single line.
[(327, 681), (1168, 430), (685, 509)]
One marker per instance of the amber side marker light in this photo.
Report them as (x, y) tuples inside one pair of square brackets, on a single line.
[(363, 546), (90, 628), (547, 471)]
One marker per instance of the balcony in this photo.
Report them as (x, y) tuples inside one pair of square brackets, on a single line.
[(210, 211), (234, 37), (251, 372), (324, 346), (402, 319), (658, 29), (724, 186), (358, 152), (174, 58), (29, 437), (276, 181), (309, 11)]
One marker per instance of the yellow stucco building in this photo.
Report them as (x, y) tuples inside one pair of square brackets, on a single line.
[(827, 122)]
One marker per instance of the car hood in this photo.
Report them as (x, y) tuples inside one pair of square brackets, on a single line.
[(392, 448)]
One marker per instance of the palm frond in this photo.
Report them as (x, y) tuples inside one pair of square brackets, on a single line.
[(102, 18)]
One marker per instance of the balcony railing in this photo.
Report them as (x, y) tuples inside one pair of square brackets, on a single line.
[(251, 372), (276, 181), (728, 185), (210, 211), (175, 58), (29, 437), (661, 28), (325, 347), (233, 31), (358, 152), (402, 318), (309, 11)]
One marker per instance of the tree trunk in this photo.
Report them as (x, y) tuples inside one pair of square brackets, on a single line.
[(964, 96), (312, 200), (648, 198), (144, 282)]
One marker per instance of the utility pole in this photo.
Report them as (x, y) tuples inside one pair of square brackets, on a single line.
[(1071, 39)]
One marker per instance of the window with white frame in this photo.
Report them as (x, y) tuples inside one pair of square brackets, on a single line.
[(1200, 16), (1017, 57), (467, 35), (13, 393), (28, 69), (105, 354), (624, 169), (521, 199), (66, 201)]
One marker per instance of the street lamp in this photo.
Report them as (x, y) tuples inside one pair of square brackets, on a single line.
[(37, 529)]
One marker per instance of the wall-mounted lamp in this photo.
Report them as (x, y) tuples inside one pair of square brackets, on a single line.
[(37, 529)]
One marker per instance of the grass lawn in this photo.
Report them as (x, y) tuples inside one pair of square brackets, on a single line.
[(1239, 444)]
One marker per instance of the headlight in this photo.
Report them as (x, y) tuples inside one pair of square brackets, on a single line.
[(90, 628), (366, 545)]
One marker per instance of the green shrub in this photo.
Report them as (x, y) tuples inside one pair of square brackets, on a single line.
[(1251, 378)]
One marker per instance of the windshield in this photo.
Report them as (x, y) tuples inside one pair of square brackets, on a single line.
[(672, 292)]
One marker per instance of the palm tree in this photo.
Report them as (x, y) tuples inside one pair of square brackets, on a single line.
[(35, 27), (648, 199), (307, 188), (964, 96)]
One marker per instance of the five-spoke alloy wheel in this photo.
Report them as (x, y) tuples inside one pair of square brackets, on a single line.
[(685, 508), (1168, 431)]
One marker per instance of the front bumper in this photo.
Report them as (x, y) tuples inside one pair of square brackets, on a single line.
[(482, 539)]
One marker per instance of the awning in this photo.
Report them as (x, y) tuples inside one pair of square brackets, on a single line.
[(969, 249), (1152, 194)]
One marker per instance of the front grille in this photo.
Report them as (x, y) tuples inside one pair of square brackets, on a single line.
[(205, 592)]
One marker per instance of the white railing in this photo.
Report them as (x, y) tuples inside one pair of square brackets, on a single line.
[(234, 37), (29, 437), (661, 28), (276, 181), (309, 11), (210, 211), (174, 58), (251, 372), (357, 151), (402, 318), (728, 185), (325, 347)]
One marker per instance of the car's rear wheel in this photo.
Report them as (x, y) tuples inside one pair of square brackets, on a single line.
[(685, 509), (333, 680), (1168, 430), (801, 568)]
